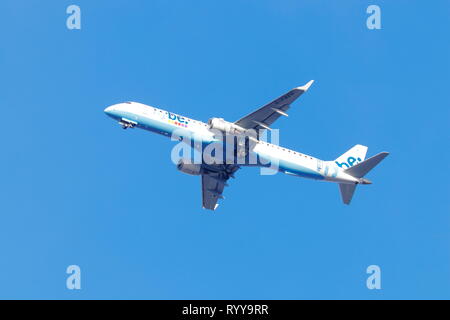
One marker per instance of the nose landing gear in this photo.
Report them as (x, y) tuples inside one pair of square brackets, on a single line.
[(125, 123)]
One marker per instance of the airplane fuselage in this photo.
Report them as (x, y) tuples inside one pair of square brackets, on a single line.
[(132, 114)]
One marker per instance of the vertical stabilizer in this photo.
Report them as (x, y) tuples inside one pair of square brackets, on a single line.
[(353, 156)]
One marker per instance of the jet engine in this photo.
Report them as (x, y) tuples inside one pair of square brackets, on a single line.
[(224, 126), (190, 168)]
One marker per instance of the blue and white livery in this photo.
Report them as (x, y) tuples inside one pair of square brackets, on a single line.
[(347, 170)]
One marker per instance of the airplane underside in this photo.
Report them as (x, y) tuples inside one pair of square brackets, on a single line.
[(209, 154)]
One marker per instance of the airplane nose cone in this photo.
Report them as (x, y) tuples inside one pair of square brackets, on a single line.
[(111, 111), (108, 110)]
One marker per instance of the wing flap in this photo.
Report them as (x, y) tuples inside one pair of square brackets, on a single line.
[(212, 189)]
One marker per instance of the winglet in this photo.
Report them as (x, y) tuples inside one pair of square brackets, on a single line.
[(306, 86)]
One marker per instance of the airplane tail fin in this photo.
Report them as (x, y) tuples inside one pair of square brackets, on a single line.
[(358, 171), (352, 156)]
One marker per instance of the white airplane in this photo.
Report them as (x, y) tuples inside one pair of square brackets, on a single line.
[(348, 170)]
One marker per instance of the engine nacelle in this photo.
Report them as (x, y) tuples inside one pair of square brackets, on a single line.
[(224, 126), (190, 168)]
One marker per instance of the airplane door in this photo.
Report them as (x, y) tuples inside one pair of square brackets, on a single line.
[(319, 165)]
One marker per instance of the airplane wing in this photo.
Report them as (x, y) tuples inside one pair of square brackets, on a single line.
[(265, 116), (213, 183)]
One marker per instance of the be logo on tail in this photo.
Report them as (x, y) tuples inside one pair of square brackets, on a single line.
[(353, 156), (349, 163)]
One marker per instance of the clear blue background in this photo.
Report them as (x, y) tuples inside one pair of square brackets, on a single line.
[(76, 189)]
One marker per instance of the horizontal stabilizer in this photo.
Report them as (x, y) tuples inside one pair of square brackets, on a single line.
[(361, 169), (347, 191)]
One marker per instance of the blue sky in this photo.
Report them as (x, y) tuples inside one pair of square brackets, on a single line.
[(76, 189)]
